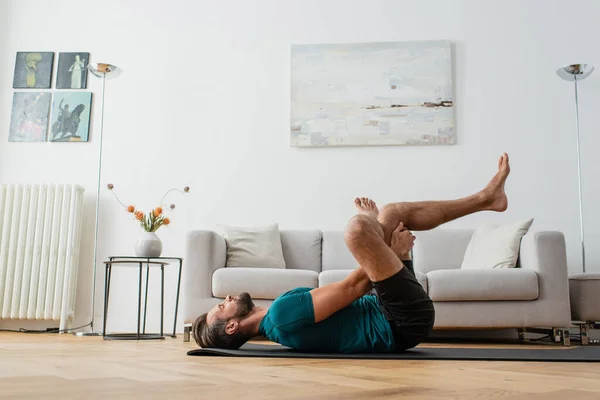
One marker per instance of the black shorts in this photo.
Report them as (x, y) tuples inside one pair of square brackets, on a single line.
[(406, 306)]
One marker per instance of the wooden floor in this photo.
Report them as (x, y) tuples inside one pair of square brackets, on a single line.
[(50, 366)]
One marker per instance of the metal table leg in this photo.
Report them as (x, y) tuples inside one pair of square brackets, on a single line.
[(106, 288), (162, 298), (146, 295), (139, 303), (177, 299)]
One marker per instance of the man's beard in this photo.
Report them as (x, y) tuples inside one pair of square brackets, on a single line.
[(245, 305)]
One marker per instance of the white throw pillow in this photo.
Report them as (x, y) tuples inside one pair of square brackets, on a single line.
[(253, 247), (495, 246)]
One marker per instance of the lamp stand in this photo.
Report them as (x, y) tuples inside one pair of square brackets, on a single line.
[(576, 73), (99, 70), (579, 176)]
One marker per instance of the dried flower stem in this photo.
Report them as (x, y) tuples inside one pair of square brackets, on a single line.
[(172, 206), (111, 188), (154, 219)]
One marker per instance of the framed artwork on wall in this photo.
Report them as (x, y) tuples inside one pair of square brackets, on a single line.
[(33, 70), (372, 94), (70, 118), (29, 117), (72, 70)]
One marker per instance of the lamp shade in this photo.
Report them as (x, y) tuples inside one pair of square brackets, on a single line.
[(101, 69), (575, 71)]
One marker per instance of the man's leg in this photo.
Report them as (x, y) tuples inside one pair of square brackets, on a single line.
[(365, 236), (331, 298), (368, 235), (426, 215)]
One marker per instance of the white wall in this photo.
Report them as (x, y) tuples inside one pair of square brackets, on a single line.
[(203, 100)]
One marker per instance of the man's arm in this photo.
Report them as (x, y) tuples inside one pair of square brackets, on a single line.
[(329, 299)]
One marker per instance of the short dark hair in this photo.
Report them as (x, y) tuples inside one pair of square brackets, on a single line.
[(214, 335)]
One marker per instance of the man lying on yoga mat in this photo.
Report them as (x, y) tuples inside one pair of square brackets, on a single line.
[(341, 317)]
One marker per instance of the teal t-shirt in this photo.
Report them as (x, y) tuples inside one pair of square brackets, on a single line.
[(359, 328)]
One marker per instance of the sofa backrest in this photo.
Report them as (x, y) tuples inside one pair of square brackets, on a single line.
[(302, 249), (326, 250), (440, 249), (335, 252)]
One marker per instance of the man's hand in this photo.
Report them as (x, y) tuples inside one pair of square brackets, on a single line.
[(402, 241)]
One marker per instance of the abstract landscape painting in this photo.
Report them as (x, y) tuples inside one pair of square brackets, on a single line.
[(372, 94), (29, 118)]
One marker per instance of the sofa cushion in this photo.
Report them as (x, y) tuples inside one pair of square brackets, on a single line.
[(327, 277), (261, 283), (302, 249), (422, 278), (253, 246), (336, 254), (584, 291), (496, 246), (440, 249), (483, 284)]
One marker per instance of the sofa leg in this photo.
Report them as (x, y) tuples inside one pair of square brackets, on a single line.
[(186, 333), (562, 335), (556, 334), (584, 333), (566, 337), (521, 333)]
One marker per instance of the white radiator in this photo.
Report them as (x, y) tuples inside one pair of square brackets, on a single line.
[(40, 232)]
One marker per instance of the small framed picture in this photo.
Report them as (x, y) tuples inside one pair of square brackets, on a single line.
[(70, 118), (33, 70), (29, 117), (72, 70)]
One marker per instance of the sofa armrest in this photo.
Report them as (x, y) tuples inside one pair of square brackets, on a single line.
[(205, 252), (545, 253)]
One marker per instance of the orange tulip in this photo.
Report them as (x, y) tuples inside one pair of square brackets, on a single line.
[(139, 215), (130, 209), (157, 211), (166, 221)]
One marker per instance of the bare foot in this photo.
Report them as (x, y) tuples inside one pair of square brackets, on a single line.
[(366, 206), (494, 191)]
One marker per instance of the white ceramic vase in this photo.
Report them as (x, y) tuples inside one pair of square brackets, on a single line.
[(148, 245)]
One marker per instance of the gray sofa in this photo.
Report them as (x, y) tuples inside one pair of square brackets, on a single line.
[(534, 295)]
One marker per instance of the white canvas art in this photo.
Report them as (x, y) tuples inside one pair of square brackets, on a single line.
[(372, 94)]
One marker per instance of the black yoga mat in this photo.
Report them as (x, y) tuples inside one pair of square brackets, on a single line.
[(558, 353)]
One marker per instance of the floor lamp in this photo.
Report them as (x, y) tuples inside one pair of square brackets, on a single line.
[(100, 71), (575, 73)]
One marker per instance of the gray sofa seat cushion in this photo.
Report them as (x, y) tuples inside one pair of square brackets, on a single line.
[(483, 285), (336, 275), (261, 283), (584, 291)]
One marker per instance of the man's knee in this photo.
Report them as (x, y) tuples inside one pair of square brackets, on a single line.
[(358, 228)]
